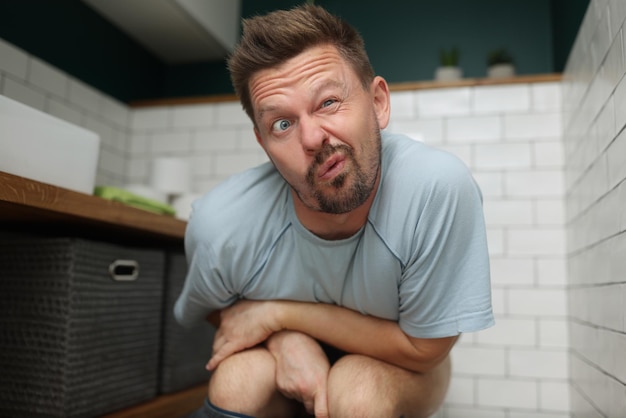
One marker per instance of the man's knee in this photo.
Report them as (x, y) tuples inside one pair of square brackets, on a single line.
[(365, 387), (244, 382), (356, 387)]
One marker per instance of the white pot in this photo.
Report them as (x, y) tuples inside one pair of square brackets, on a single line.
[(501, 71), (448, 73)]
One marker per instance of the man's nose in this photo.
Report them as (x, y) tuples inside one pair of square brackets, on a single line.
[(313, 136)]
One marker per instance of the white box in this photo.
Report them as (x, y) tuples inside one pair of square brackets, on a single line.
[(42, 147)]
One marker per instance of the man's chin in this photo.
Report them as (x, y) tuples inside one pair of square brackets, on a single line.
[(338, 203)]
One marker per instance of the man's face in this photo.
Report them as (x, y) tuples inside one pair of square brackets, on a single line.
[(321, 128)]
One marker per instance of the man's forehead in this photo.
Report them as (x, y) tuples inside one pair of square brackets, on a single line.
[(315, 72)]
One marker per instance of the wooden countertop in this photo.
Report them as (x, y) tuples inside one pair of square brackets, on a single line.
[(35, 206)]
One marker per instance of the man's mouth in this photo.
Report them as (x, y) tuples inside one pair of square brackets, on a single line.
[(331, 167)]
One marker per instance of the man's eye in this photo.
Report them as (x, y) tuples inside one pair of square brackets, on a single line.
[(281, 125), (328, 102)]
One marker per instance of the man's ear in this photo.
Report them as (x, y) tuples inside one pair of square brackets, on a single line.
[(382, 105)]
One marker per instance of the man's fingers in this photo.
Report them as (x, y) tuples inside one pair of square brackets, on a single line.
[(321, 404), (220, 354), (212, 364), (309, 406)]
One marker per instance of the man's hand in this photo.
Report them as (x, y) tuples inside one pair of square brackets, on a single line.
[(243, 325), (301, 370)]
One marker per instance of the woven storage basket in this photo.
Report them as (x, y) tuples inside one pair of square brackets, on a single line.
[(74, 342), (185, 350)]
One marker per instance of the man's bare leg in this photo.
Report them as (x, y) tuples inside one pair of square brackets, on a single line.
[(360, 387), (246, 383)]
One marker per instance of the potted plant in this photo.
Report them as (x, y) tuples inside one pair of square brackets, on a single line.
[(448, 65), (500, 64)]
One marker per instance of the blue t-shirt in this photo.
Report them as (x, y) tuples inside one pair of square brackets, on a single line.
[(421, 259)]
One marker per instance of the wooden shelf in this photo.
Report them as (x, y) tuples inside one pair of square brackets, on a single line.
[(32, 205), (175, 405), (405, 86), (473, 82)]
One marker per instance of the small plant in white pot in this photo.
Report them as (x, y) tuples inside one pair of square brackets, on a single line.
[(449, 69), (500, 64)]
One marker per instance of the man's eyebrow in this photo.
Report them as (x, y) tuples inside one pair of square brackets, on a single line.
[(265, 109), (329, 83), (316, 89)]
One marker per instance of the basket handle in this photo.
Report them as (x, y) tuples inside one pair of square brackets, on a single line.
[(124, 270)]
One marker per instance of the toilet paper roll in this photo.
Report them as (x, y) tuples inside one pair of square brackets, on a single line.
[(182, 205), (171, 175)]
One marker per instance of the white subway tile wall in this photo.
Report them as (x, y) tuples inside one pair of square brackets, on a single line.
[(594, 105), (442, 102), (499, 99), (471, 129), (47, 78), (29, 80), (14, 61), (23, 93), (217, 139), (510, 137)]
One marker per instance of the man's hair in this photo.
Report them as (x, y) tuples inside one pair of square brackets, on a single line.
[(272, 39)]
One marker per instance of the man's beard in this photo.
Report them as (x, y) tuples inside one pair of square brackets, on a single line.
[(343, 200)]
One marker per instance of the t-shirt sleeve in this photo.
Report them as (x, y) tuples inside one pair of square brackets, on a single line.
[(205, 288), (445, 286)]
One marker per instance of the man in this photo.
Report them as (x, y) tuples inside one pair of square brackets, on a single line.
[(346, 269)]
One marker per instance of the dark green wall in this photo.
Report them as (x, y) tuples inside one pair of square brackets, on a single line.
[(72, 37), (567, 16), (403, 39)]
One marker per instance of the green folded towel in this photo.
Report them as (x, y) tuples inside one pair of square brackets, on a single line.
[(131, 199)]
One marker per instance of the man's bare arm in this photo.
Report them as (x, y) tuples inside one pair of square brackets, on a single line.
[(248, 323)]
